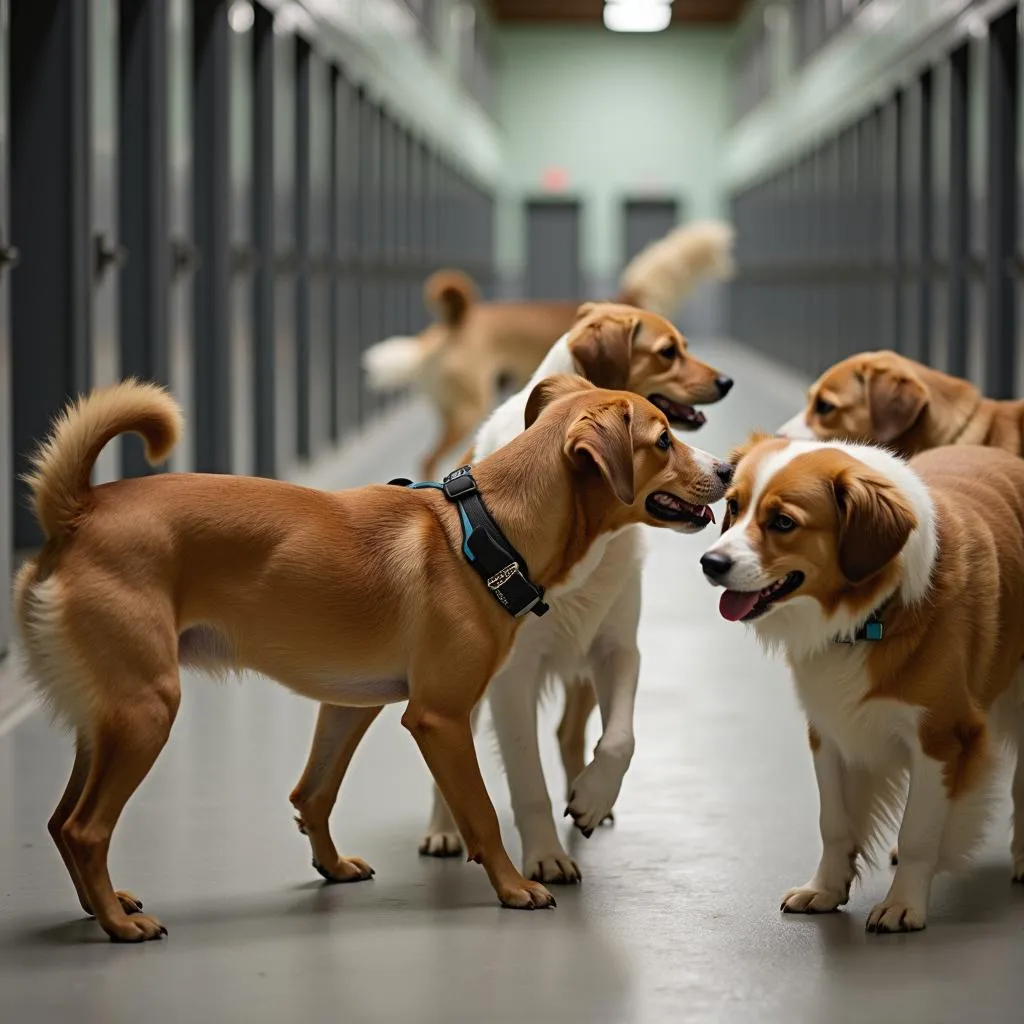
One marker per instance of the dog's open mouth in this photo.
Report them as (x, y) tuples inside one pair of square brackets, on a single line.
[(747, 605), (665, 506), (679, 415)]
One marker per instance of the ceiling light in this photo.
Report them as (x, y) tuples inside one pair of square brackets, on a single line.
[(637, 15)]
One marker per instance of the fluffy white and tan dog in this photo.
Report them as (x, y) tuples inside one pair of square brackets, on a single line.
[(459, 359), (589, 639), (896, 591)]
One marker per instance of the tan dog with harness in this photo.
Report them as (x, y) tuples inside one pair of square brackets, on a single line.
[(356, 599)]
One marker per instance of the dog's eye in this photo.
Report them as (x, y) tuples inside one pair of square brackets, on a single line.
[(668, 353), (665, 441), (783, 523), (823, 408), (732, 506)]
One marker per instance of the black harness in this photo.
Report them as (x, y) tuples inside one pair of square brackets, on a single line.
[(488, 551)]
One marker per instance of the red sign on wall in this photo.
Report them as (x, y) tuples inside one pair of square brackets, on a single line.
[(554, 179)]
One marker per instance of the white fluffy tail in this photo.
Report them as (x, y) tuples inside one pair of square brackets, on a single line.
[(393, 363), (666, 272)]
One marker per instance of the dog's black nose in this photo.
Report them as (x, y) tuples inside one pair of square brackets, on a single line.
[(724, 385), (724, 472), (714, 563)]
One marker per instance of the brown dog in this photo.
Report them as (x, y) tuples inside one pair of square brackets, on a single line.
[(356, 599), (886, 398)]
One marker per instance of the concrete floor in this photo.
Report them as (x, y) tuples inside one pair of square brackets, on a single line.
[(677, 919)]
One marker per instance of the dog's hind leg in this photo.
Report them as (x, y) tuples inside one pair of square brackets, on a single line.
[(124, 743), (72, 793), (442, 837), (338, 732)]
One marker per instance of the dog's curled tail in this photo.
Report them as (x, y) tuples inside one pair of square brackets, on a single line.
[(449, 293), (62, 464), (664, 273)]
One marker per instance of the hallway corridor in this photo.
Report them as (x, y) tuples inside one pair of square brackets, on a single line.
[(677, 918)]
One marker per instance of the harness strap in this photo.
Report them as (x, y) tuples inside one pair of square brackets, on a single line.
[(489, 552)]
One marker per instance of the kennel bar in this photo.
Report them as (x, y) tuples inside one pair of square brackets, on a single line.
[(320, 260), (8, 260), (246, 412), (313, 263), (959, 209), (1001, 214), (302, 57), (977, 179), (911, 198), (937, 340), (286, 257), (345, 332), (264, 240), (368, 208), (155, 126), (211, 433)]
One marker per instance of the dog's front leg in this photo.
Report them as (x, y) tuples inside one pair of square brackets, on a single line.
[(829, 886), (338, 732), (614, 662), (513, 696), (439, 722), (592, 794)]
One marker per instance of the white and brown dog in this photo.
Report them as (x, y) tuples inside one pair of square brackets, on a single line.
[(896, 591)]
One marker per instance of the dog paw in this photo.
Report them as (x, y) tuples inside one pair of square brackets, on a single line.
[(130, 903), (594, 793), (346, 869), (895, 916), (808, 899), (555, 868), (441, 844), (525, 895), (137, 928), (1018, 870)]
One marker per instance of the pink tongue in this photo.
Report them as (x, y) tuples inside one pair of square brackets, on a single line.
[(736, 604)]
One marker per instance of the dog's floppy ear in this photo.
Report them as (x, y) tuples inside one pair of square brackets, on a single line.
[(549, 390), (875, 522), (602, 437), (603, 348), (896, 399)]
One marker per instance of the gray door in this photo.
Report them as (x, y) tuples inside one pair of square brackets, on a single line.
[(553, 249), (6, 254), (645, 221)]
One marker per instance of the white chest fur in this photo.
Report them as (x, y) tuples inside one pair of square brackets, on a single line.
[(833, 688)]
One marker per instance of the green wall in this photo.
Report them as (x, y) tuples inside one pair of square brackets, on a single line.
[(623, 115)]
